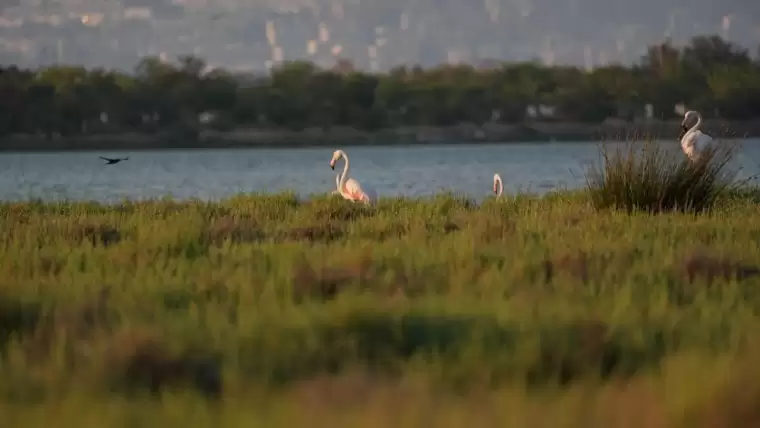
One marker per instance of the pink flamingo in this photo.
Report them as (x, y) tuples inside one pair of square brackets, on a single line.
[(694, 142), (348, 187), (498, 186)]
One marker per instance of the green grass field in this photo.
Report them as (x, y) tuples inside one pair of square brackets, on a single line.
[(633, 303), (266, 311)]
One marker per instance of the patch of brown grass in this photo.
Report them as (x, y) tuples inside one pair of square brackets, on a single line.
[(699, 265), (97, 234), (141, 359), (76, 323), (631, 404), (340, 210), (735, 403), (384, 232), (331, 391), (358, 397), (318, 232), (237, 230), (576, 265), (327, 282), (161, 210), (573, 220), (489, 230), (450, 227), (591, 350), (51, 265), (16, 318)]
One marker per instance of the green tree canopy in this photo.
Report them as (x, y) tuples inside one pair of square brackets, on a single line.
[(709, 74)]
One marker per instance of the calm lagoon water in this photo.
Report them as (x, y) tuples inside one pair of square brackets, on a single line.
[(392, 171)]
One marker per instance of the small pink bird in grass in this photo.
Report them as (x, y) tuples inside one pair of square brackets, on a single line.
[(349, 188)]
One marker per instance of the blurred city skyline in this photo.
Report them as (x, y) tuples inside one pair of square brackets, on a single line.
[(374, 35)]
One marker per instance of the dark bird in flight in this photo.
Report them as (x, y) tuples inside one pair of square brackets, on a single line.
[(110, 161)]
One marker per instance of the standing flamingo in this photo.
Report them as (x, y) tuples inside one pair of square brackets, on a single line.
[(693, 141), (498, 186), (348, 187)]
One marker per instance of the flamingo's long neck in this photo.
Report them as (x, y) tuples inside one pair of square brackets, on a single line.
[(344, 176), (500, 187), (696, 125)]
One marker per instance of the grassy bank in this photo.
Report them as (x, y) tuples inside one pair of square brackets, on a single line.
[(535, 312), (346, 136)]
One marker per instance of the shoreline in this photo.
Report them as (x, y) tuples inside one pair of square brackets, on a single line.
[(253, 138)]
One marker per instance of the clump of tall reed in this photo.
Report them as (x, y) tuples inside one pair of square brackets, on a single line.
[(645, 176)]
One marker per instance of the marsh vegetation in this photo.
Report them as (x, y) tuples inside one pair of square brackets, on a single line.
[(600, 308)]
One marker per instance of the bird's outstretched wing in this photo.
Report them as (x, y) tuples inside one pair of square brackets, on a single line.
[(105, 159)]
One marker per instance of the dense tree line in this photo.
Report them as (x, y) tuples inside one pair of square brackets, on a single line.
[(709, 74)]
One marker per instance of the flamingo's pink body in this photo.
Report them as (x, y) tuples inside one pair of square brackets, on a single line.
[(348, 187), (498, 186), (693, 141)]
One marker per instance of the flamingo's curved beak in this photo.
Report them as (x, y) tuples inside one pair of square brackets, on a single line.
[(495, 190), (332, 166)]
